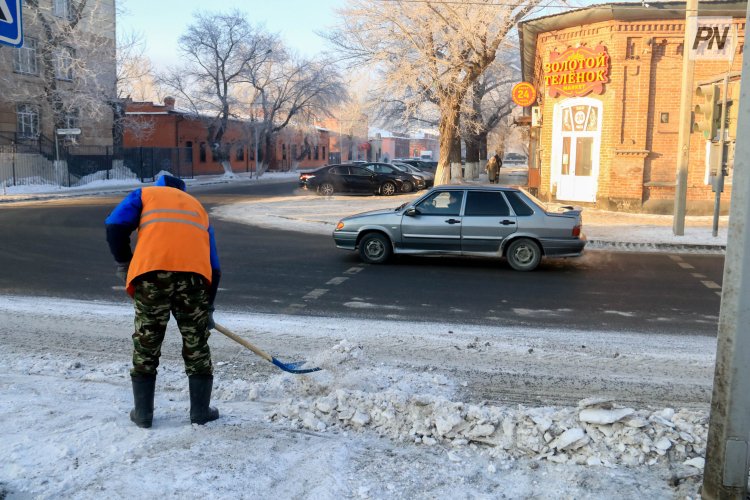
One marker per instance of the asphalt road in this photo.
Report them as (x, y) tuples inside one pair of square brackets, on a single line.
[(58, 249)]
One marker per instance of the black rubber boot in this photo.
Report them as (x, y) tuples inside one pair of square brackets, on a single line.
[(200, 396), (143, 397)]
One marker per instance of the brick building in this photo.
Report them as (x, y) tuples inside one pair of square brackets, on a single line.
[(608, 80), (165, 125)]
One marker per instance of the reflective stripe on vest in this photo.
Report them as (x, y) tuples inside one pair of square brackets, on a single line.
[(172, 235)]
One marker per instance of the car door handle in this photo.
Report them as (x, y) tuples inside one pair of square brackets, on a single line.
[(453, 221), (506, 222)]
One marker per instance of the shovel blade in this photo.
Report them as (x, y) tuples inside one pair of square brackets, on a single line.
[(293, 367)]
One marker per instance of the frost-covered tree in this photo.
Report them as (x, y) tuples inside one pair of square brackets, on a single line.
[(218, 50), (65, 70), (429, 51)]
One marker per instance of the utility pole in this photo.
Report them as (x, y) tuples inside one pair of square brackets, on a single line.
[(683, 140), (726, 471)]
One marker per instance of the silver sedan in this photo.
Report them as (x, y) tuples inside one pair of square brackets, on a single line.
[(479, 221)]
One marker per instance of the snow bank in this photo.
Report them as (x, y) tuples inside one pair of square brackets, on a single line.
[(417, 407)]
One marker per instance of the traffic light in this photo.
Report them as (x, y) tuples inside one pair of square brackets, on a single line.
[(707, 111), (733, 109)]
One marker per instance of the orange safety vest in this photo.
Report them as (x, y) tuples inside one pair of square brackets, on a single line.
[(172, 235)]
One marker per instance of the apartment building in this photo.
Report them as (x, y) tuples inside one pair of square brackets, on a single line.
[(63, 77)]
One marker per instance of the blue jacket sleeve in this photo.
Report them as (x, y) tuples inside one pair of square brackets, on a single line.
[(215, 267), (120, 224)]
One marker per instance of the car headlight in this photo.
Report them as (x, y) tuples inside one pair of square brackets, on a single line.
[(340, 225)]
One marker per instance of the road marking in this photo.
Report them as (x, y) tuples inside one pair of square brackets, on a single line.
[(337, 280), (297, 306), (315, 293), (353, 270), (699, 275), (675, 258), (685, 265), (711, 284)]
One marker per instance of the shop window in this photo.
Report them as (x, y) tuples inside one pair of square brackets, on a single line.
[(294, 152), (202, 152), (240, 153), (323, 156), (283, 151), (316, 152)]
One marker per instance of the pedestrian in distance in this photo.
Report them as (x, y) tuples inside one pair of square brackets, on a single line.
[(493, 168), (173, 269)]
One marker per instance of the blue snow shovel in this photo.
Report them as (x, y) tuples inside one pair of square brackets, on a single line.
[(287, 367)]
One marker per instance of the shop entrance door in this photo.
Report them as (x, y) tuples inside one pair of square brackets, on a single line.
[(578, 138)]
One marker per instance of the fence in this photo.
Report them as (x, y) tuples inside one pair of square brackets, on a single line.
[(81, 165)]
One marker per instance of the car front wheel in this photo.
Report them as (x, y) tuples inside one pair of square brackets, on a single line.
[(388, 189), (326, 189), (374, 248), (407, 187), (524, 255)]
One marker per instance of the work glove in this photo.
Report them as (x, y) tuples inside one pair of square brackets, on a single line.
[(211, 325), (121, 271)]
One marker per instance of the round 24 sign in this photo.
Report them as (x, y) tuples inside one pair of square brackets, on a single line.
[(524, 94)]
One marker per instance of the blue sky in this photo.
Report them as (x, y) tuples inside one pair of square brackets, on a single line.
[(163, 21)]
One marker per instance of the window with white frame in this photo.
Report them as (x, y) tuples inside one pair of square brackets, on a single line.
[(64, 64), (25, 60), (61, 8), (27, 121), (72, 119)]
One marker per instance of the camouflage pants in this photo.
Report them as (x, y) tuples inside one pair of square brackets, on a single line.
[(185, 295)]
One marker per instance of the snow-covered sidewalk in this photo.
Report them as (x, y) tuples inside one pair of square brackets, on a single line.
[(399, 411)]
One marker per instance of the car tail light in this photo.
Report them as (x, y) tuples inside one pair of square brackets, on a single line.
[(577, 231), (304, 177)]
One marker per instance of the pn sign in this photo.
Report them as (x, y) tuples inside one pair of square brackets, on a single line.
[(11, 31), (712, 38)]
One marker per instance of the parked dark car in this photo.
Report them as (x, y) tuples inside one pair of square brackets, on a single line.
[(350, 179), (427, 165), (429, 177), (409, 181), (478, 221)]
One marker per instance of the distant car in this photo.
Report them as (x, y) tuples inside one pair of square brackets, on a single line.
[(347, 178), (428, 165), (409, 182), (514, 159), (479, 221), (429, 177)]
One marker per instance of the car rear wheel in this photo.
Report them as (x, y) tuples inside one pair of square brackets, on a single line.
[(523, 255), (326, 189), (388, 189), (407, 187), (374, 248)]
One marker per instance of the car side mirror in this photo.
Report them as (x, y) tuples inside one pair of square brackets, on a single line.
[(411, 212)]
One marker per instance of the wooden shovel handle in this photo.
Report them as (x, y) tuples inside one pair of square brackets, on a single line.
[(244, 342)]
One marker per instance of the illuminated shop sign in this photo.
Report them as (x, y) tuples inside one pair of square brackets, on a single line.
[(577, 71)]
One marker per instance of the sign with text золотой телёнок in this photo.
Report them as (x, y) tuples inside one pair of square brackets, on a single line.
[(577, 71)]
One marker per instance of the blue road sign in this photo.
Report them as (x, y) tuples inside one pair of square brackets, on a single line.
[(11, 28)]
